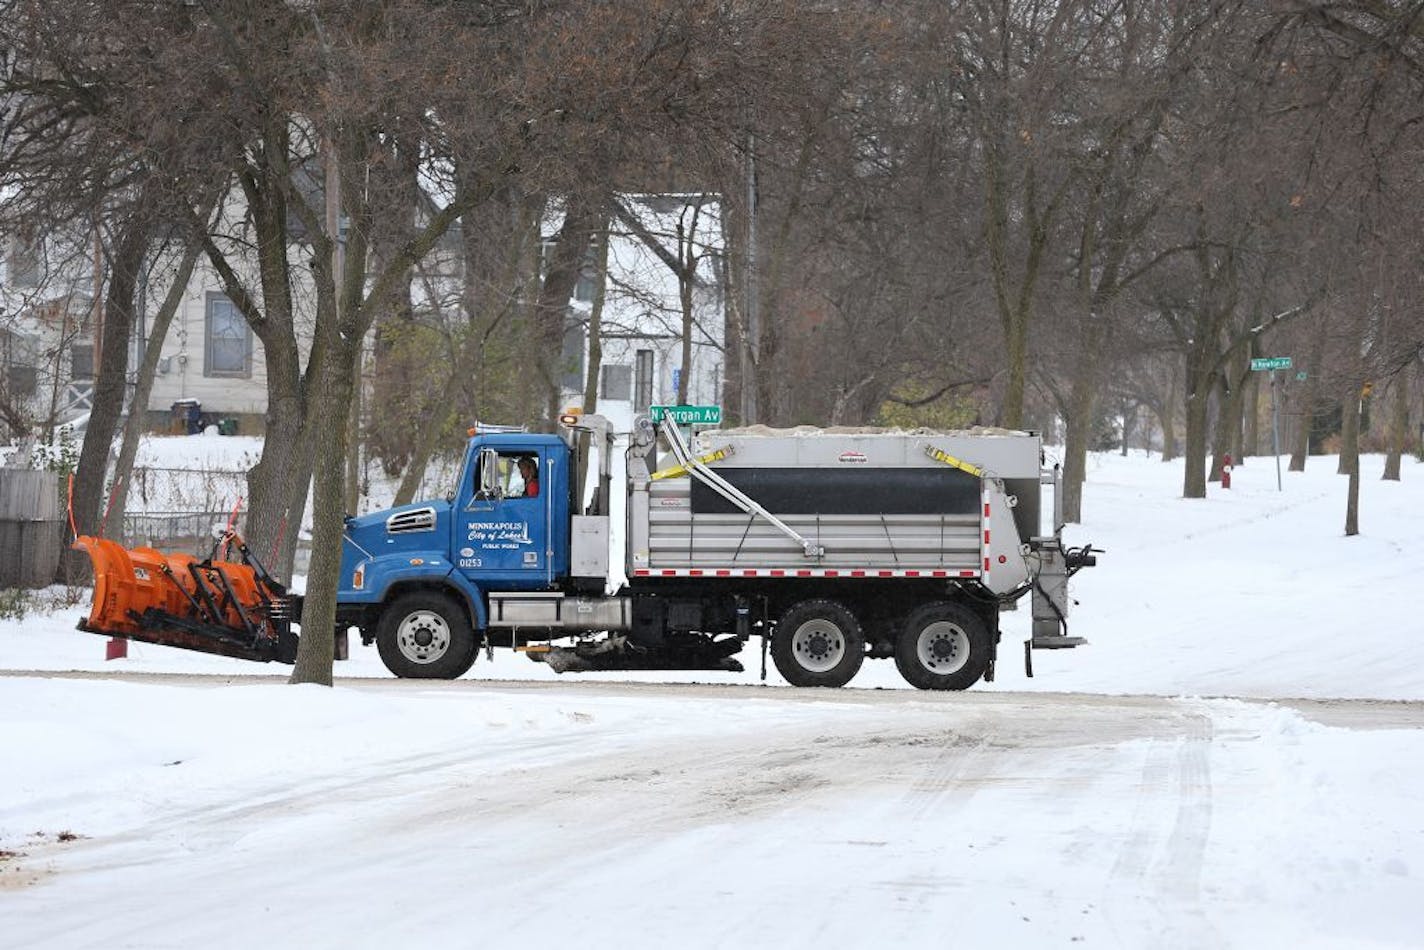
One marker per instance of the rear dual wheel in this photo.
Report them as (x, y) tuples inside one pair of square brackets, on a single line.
[(818, 643), (943, 645)]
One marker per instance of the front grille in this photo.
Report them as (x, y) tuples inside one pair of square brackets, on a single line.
[(408, 522)]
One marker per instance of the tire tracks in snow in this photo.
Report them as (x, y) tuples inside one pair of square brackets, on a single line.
[(1162, 857)]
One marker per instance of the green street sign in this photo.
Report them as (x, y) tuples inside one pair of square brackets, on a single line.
[(1271, 362), (1300, 377), (689, 415)]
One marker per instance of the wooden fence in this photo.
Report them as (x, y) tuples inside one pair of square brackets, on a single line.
[(31, 528)]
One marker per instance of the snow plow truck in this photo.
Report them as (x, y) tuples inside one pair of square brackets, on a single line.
[(829, 546)]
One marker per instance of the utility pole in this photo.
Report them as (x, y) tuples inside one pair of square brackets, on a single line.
[(751, 330)]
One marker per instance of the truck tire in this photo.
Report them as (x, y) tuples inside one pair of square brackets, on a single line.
[(943, 646), (426, 635), (818, 643)]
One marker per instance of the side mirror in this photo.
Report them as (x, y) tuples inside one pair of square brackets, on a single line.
[(489, 474)]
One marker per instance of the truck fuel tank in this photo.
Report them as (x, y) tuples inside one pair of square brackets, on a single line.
[(557, 611)]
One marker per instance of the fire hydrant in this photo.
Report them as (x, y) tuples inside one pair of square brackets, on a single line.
[(1226, 470)]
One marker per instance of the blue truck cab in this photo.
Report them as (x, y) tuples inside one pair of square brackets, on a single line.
[(411, 575)]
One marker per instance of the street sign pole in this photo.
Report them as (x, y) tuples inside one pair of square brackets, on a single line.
[(1275, 432), (1271, 364)]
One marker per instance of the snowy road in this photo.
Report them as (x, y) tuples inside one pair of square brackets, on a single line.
[(495, 814), (514, 808)]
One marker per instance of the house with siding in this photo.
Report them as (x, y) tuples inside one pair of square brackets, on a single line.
[(659, 245)]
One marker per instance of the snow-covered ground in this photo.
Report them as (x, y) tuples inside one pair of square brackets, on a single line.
[(570, 812)]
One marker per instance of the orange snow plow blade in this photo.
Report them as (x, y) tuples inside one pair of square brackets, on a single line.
[(231, 608)]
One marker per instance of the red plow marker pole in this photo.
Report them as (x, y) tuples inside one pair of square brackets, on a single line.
[(73, 531), (227, 532)]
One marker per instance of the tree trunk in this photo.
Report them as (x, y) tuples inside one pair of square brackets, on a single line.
[(1304, 413), (1251, 439), (351, 488), (1230, 408), (327, 429), (1194, 452), (684, 293), (1199, 380), (1349, 433), (110, 379), (1220, 434), (277, 484), (1168, 418), (1350, 459), (560, 278), (1398, 426), (1300, 446), (1075, 449), (133, 426), (595, 325)]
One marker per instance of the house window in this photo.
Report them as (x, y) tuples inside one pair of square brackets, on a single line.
[(571, 360), (81, 361), (617, 383), (21, 381), (227, 340), (24, 264), (643, 396), (583, 290)]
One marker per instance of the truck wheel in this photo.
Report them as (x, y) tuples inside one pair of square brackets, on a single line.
[(425, 635), (818, 643), (943, 646)]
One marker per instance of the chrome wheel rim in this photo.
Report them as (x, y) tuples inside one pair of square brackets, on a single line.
[(818, 645), (943, 647), (423, 636)]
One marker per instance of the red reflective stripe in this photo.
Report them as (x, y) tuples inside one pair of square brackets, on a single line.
[(986, 535), (804, 572), (986, 565), (986, 509)]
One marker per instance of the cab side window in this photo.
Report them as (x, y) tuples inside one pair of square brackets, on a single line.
[(521, 479), (517, 475)]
